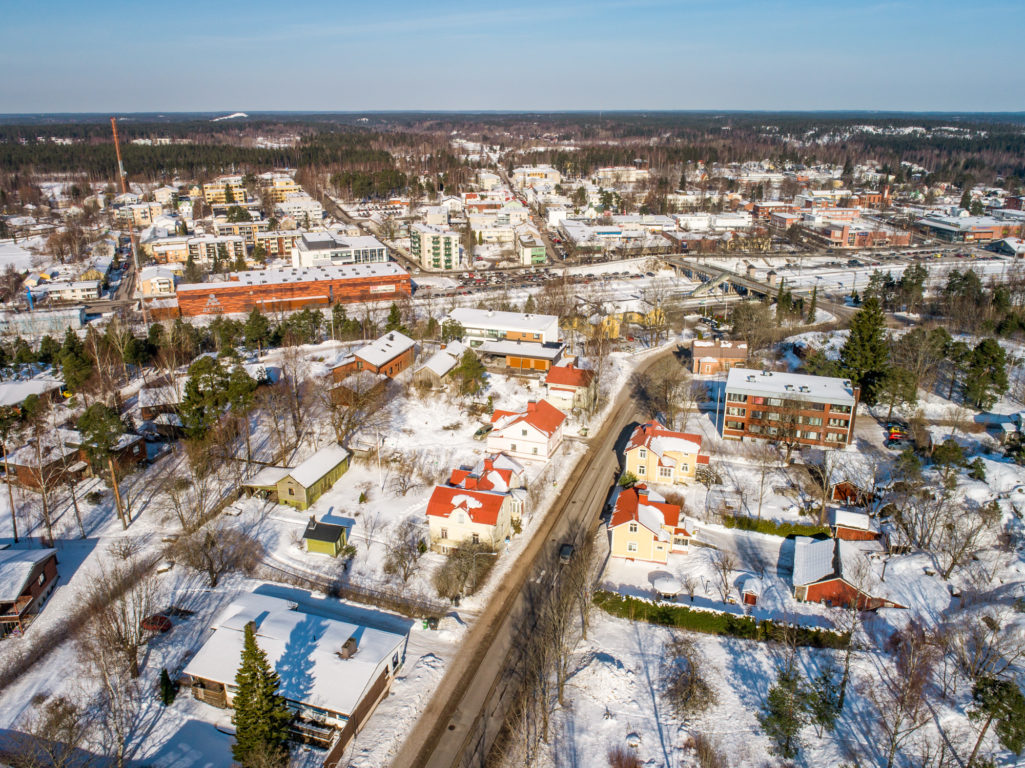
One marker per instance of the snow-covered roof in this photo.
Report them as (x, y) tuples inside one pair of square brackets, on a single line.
[(295, 640), (503, 321), (318, 465), (444, 360), (857, 520), (386, 348), (532, 349), (813, 559), (16, 566), (822, 389), (267, 477), (301, 275), (15, 392)]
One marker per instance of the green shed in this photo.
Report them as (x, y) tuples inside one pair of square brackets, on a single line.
[(324, 538), (307, 482)]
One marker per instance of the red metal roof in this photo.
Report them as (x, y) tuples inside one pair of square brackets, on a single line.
[(541, 415), (481, 507), (569, 375), (631, 498)]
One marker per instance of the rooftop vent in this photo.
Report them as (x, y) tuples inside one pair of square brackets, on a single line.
[(805, 389), (349, 648), (788, 387), (750, 378)]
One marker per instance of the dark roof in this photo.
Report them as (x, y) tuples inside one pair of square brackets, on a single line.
[(321, 531)]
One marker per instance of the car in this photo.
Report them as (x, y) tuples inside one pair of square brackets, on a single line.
[(156, 623), (481, 433), (898, 444), (566, 553)]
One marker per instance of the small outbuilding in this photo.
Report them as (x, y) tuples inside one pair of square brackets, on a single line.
[(324, 538)]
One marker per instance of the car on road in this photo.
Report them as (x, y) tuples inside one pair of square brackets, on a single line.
[(566, 553)]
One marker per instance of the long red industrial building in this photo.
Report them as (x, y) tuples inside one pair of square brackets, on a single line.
[(294, 288)]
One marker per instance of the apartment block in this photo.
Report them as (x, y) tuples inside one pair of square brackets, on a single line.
[(435, 248), (226, 189), (789, 407)]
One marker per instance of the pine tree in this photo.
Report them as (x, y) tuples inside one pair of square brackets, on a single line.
[(823, 700), (168, 690), (1000, 702), (812, 304), (394, 322), (261, 716), (865, 357), (783, 715), (966, 200)]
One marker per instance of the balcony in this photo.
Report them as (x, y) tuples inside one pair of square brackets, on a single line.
[(13, 612)]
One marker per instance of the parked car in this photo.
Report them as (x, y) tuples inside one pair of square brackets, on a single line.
[(156, 623), (481, 433), (566, 553)]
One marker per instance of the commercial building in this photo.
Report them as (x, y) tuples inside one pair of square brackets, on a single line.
[(332, 681), (329, 249), (287, 289), (789, 407), (532, 175), (435, 248), (530, 249), (481, 324), (967, 229)]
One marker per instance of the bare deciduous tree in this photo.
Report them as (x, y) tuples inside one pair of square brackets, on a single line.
[(217, 549), (724, 563), (121, 597), (53, 735), (406, 546)]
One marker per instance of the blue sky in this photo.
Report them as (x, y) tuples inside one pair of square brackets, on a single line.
[(552, 55)]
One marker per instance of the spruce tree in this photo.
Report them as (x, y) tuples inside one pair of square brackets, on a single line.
[(966, 200), (987, 374), (261, 716), (257, 330), (812, 304), (864, 357)]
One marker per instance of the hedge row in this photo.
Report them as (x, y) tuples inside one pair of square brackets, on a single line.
[(712, 622), (772, 527)]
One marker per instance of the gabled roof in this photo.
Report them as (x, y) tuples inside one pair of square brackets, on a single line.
[(569, 376), (16, 566), (481, 506), (385, 349), (321, 531), (485, 476), (661, 441), (541, 415), (318, 465), (635, 504)]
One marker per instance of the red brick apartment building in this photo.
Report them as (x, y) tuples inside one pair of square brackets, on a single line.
[(296, 288), (808, 410)]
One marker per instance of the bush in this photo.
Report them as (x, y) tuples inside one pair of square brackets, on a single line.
[(683, 682), (627, 479), (772, 527), (465, 570), (711, 622), (623, 757), (94, 497), (708, 753)]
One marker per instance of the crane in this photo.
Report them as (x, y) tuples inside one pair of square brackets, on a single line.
[(122, 176)]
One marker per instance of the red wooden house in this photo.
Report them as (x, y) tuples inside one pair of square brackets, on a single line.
[(27, 577)]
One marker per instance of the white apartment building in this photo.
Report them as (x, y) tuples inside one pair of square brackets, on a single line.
[(301, 207), (327, 249), (435, 248), (83, 290), (531, 175)]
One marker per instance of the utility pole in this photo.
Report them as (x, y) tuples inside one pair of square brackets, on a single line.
[(122, 177)]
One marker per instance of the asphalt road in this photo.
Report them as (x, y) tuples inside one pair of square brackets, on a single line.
[(468, 708)]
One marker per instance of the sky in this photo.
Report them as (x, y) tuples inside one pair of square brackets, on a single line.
[(226, 55)]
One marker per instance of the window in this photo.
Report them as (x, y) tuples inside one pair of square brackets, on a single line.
[(523, 432), (680, 541), (685, 467), (813, 421), (291, 491), (834, 437), (772, 416), (631, 546), (444, 533), (535, 450), (734, 425), (476, 538), (42, 579), (757, 414), (642, 453), (734, 397), (633, 528), (642, 471), (840, 408), (773, 401), (838, 423), (666, 472), (512, 447), (733, 411)]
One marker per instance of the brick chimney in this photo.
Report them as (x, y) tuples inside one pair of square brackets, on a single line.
[(489, 464), (313, 522), (531, 406), (471, 482)]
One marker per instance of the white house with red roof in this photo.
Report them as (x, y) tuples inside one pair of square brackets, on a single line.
[(497, 474), (533, 434), (645, 527), (569, 387), (457, 515), (659, 455)]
